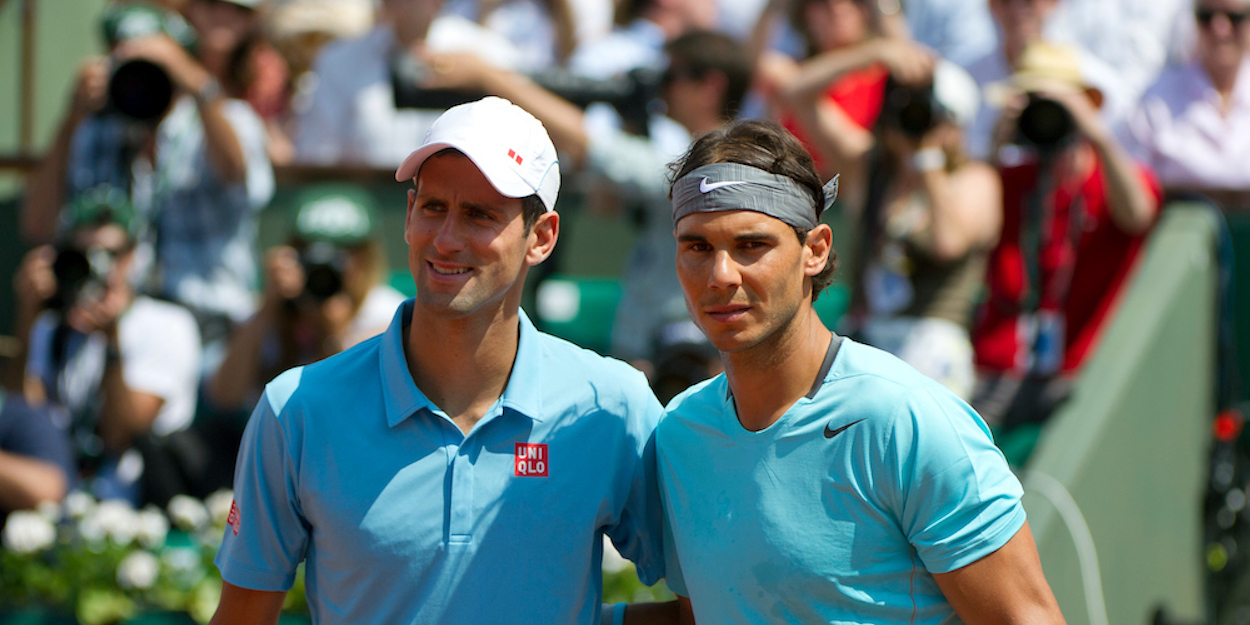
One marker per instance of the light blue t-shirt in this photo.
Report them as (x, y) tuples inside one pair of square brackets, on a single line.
[(840, 511), (404, 519)]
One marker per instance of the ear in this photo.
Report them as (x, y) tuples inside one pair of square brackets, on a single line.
[(412, 199), (542, 238), (816, 249)]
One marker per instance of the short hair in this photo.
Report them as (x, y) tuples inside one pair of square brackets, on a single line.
[(768, 146), (701, 51)]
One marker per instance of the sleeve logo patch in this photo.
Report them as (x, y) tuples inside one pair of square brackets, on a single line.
[(531, 460), (233, 519)]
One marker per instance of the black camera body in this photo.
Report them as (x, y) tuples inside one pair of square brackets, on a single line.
[(631, 94), (81, 275), (140, 90), (323, 265), (1045, 124), (913, 110)]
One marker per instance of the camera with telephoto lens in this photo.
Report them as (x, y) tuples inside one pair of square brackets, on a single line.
[(81, 275), (913, 110), (1045, 124), (631, 94), (140, 90), (323, 265)]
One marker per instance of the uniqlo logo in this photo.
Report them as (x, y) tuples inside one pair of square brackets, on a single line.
[(514, 156), (531, 460), (233, 519)]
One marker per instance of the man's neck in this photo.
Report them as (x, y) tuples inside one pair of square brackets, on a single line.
[(768, 378), (462, 365)]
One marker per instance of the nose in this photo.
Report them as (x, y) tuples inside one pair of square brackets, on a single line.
[(449, 238), (724, 274)]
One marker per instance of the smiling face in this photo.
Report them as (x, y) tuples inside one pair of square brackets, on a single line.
[(468, 246), (746, 276)]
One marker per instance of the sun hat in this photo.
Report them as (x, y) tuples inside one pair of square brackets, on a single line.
[(508, 145), (1045, 67), (957, 92), (340, 214)]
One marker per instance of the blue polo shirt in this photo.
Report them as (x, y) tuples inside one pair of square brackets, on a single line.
[(842, 510), (402, 518)]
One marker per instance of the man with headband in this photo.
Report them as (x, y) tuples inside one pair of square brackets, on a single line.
[(818, 480), (462, 467)]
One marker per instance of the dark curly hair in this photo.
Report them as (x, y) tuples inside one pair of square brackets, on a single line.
[(768, 146)]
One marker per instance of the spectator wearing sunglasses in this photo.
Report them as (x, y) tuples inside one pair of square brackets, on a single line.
[(1193, 125)]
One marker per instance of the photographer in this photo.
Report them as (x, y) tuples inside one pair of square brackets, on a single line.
[(925, 229), (1076, 210), (117, 366), (323, 294), (153, 121)]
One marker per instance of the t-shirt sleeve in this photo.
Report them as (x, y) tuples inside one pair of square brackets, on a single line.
[(164, 360), (638, 535), (267, 534), (958, 500)]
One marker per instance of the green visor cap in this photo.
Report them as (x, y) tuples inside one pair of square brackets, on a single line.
[(123, 21), (99, 206), (339, 214)]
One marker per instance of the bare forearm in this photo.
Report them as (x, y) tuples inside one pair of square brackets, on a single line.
[(1132, 207), (239, 372), (564, 121), (26, 482), (816, 73), (224, 150), (14, 379), (45, 188), (125, 413)]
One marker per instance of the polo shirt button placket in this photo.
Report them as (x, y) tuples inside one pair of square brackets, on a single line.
[(461, 504)]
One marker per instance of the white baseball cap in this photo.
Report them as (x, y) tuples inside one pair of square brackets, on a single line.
[(508, 145)]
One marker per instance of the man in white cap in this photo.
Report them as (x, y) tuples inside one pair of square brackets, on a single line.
[(462, 467)]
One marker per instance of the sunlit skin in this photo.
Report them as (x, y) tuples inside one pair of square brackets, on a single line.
[(745, 275), (468, 248)]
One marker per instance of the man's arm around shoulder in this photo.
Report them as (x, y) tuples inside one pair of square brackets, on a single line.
[(243, 606), (1004, 587)]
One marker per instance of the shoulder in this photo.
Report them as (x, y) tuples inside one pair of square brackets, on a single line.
[(332, 381), (573, 364), (697, 407), (1175, 84), (159, 319), (883, 389)]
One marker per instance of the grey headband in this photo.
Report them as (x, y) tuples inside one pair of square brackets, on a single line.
[(733, 186)]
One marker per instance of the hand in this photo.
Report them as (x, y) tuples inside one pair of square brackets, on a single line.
[(101, 314), (183, 69), (335, 315), (908, 63), (34, 281), (457, 71), (284, 275), (1004, 131), (91, 91), (1088, 122)]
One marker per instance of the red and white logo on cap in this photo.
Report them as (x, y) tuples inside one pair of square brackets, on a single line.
[(531, 460), (514, 156), (233, 519)]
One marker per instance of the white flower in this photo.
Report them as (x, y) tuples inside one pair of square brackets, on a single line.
[(28, 532), (612, 560), (183, 566), (219, 504), (113, 519), (50, 510), (187, 512), (138, 570), (78, 504), (152, 527)]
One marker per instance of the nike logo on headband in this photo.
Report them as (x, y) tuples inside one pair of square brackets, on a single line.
[(706, 187)]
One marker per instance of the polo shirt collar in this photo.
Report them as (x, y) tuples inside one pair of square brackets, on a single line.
[(403, 399)]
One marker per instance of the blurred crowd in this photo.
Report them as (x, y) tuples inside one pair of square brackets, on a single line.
[(1001, 163)]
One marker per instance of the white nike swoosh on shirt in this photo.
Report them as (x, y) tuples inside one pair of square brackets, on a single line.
[(706, 187)]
